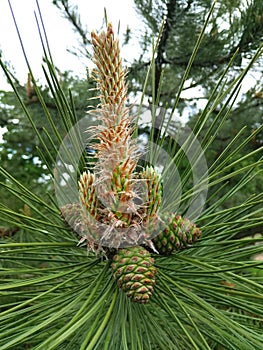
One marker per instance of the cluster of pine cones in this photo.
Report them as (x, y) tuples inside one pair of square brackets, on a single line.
[(118, 213), (133, 267)]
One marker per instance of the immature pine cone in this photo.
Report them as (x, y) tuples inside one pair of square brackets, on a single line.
[(178, 234), (135, 273)]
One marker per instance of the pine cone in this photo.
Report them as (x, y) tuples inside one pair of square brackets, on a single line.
[(177, 235), (135, 273)]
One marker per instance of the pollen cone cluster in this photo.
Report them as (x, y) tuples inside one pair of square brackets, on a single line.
[(117, 152), (118, 209), (119, 202)]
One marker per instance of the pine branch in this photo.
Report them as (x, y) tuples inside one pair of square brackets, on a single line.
[(71, 13)]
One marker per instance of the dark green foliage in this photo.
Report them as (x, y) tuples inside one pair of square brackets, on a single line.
[(234, 25), (22, 153)]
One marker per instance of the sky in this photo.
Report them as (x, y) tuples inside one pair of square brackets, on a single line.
[(59, 32), (61, 36)]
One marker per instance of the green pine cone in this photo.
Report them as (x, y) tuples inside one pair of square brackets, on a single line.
[(134, 271), (177, 235)]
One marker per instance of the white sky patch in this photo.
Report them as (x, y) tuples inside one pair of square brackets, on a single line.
[(2, 131), (60, 33)]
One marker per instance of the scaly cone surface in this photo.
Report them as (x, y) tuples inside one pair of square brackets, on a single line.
[(178, 234), (134, 271)]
